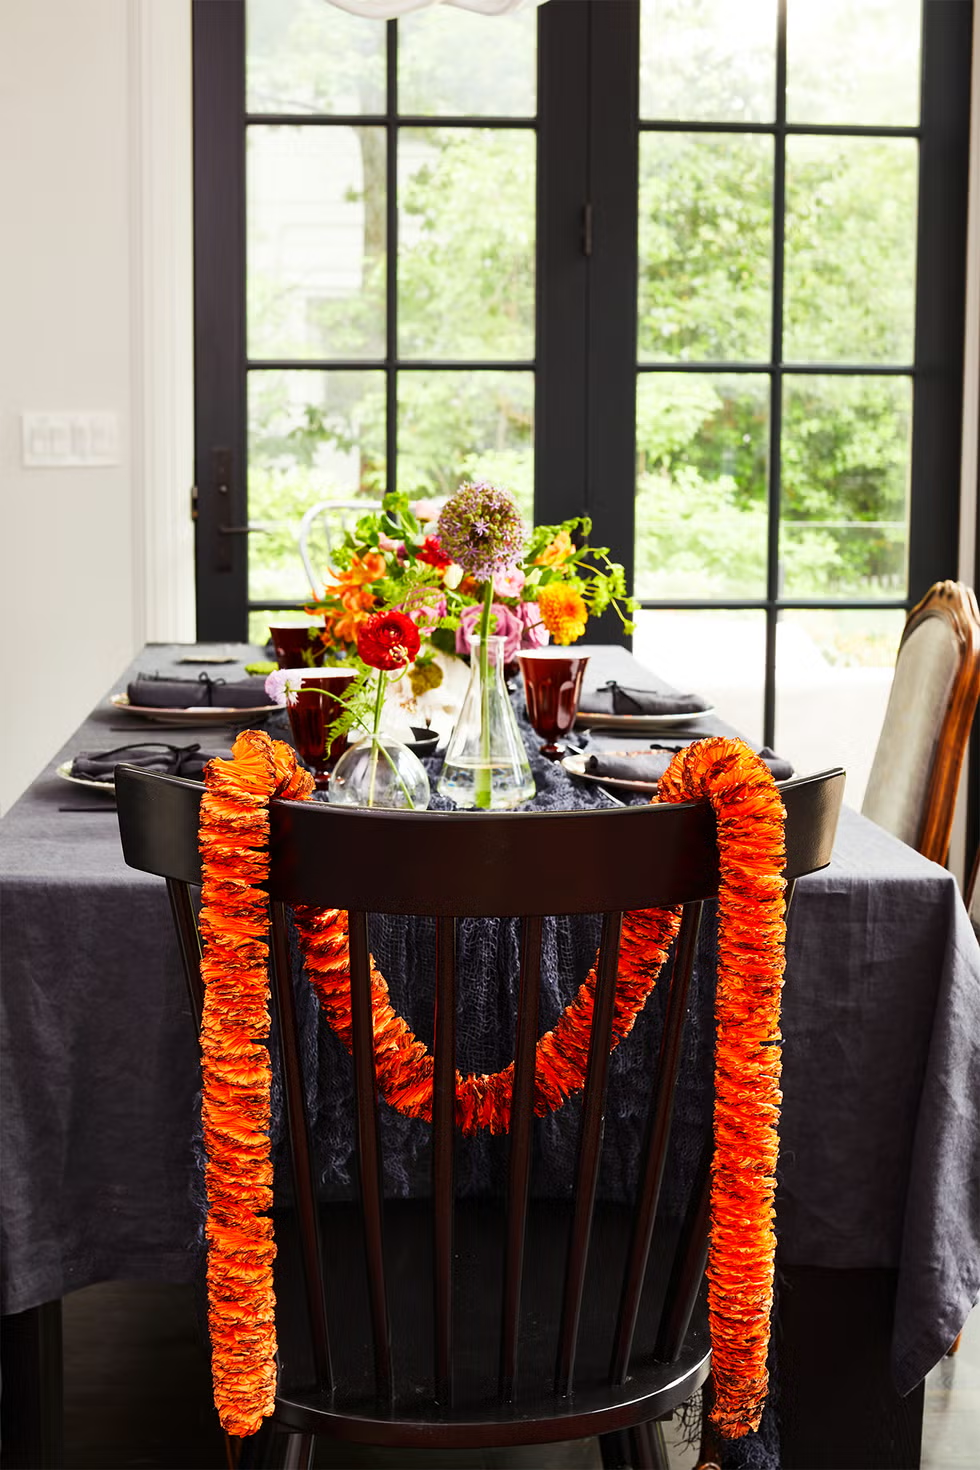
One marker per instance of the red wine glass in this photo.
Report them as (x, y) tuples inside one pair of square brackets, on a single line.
[(552, 685)]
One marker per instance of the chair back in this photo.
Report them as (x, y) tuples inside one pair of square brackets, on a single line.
[(451, 865), (912, 788), (973, 895), (326, 520)]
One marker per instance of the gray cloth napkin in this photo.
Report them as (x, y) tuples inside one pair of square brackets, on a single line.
[(649, 765), (617, 699), (169, 760), (161, 693)]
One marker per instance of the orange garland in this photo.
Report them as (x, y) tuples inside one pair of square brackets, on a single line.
[(234, 920)]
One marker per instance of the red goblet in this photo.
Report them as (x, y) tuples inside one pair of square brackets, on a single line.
[(312, 710), (552, 685), (298, 647)]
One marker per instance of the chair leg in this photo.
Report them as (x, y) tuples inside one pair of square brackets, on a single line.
[(639, 1448), (709, 1453), (277, 1449), (615, 1450), (299, 1452)]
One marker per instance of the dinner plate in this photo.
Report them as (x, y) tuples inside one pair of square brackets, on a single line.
[(575, 766), (107, 788), (198, 714), (640, 724)]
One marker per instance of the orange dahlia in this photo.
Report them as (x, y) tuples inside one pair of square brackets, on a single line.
[(563, 611)]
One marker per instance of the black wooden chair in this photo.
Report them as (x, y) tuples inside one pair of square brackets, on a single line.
[(450, 1323)]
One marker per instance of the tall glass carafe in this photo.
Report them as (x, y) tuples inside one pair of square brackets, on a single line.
[(486, 764)]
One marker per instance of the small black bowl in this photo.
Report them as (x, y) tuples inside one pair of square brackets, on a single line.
[(425, 741)]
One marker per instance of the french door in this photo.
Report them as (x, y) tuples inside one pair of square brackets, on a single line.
[(694, 269)]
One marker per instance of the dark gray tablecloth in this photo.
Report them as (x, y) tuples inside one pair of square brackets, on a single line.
[(880, 1162)]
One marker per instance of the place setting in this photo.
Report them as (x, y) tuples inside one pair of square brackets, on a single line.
[(207, 700), (94, 771)]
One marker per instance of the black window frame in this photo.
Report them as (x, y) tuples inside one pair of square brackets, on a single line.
[(588, 128)]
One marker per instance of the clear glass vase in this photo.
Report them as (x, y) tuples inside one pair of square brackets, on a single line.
[(486, 764), (380, 772)]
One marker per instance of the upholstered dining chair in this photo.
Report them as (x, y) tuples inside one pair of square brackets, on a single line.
[(452, 1322), (912, 788)]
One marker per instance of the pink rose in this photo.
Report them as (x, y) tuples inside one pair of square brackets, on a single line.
[(508, 626), (508, 583), (534, 634)]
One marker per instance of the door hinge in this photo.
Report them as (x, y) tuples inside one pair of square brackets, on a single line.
[(194, 497), (587, 228)]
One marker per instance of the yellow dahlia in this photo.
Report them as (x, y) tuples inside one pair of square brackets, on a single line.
[(563, 611)]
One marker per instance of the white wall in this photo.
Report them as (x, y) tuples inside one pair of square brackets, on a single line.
[(83, 286)]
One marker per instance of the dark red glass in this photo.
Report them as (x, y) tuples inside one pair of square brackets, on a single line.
[(552, 685), (312, 710), (295, 649)]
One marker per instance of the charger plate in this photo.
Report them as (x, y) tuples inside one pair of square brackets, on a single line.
[(575, 766), (639, 724), (199, 714), (107, 788)]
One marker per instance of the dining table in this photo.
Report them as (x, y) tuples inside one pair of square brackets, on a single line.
[(878, 1206)]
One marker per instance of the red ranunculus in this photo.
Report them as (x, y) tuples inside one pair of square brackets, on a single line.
[(388, 640), (432, 553)]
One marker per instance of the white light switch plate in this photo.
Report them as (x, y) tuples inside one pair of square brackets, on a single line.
[(69, 440)]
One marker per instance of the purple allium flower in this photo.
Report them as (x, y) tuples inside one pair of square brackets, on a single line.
[(507, 626), (481, 529)]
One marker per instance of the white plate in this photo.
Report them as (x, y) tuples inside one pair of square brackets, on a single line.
[(107, 788), (642, 724), (575, 766), (201, 714)]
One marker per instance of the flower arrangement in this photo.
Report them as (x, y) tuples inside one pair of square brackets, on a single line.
[(436, 566)]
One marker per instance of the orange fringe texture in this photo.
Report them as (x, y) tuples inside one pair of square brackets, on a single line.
[(234, 923)]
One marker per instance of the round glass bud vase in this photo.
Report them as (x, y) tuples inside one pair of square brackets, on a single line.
[(486, 764), (379, 772)]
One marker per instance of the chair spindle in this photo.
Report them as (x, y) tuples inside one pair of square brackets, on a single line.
[(369, 1146), (519, 1163), (590, 1144), (658, 1136), (443, 1142), (687, 1271), (189, 941), (300, 1149)]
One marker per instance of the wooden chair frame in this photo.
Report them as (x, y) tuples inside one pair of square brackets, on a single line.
[(956, 604), (448, 865)]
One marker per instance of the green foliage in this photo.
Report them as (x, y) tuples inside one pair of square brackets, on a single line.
[(466, 291)]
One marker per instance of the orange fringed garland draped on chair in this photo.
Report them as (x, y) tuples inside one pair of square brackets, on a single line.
[(234, 834)]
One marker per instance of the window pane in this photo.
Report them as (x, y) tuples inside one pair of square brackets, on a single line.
[(708, 60), (845, 490), (833, 674), (720, 655), (308, 56), (702, 445), (850, 249), (705, 247), (854, 61), (466, 270), (455, 426), (454, 63), (316, 242), (312, 436)]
